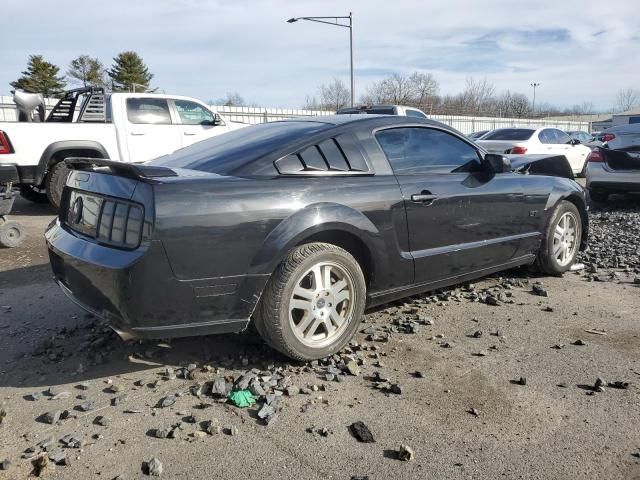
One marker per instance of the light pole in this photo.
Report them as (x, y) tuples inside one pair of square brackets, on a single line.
[(534, 85), (337, 24)]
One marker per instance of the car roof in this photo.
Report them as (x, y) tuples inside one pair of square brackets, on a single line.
[(361, 119)]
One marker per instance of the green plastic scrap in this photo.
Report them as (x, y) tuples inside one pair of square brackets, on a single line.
[(241, 398)]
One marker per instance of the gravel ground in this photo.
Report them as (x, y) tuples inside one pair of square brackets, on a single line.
[(472, 389)]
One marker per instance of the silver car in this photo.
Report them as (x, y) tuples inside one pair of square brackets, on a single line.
[(612, 171)]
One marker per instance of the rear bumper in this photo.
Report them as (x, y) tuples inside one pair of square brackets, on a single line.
[(137, 292), (600, 177)]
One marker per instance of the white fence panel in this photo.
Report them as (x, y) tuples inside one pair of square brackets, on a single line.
[(255, 115)]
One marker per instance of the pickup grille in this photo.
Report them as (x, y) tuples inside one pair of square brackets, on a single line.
[(111, 222)]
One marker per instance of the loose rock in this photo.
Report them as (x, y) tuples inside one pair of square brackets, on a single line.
[(154, 467), (361, 432), (405, 453)]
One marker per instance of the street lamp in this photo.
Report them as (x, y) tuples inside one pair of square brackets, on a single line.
[(337, 24), (534, 85)]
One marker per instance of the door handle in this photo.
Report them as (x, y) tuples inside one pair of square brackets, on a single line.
[(189, 133), (137, 133), (423, 198)]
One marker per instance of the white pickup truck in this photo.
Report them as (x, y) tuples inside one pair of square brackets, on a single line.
[(384, 110), (127, 127)]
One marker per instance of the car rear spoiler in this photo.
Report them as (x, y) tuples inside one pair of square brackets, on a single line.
[(138, 171)]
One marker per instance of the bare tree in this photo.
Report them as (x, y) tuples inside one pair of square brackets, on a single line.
[(232, 99), (425, 89), (627, 98), (519, 105), (476, 95), (416, 90), (335, 95)]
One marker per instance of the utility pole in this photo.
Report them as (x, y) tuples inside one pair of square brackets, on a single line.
[(336, 23), (533, 107)]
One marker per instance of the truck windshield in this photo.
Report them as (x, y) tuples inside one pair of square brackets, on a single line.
[(509, 134), (227, 152)]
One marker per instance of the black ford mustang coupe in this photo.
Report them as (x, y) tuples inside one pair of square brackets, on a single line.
[(300, 225)]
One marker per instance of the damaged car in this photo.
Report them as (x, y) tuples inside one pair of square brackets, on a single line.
[(298, 226)]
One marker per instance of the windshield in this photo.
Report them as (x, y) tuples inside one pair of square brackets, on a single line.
[(227, 152), (510, 134)]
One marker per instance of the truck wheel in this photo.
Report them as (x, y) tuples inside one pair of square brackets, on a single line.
[(11, 234), (313, 303), (34, 194), (55, 182), (561, 242)]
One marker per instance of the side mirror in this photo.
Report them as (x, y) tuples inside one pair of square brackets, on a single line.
[(575, 141), (218, 121), (497, 163)]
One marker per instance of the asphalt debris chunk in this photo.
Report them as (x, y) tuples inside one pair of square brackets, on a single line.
[(153, 467), (361, 432), (405, 453)]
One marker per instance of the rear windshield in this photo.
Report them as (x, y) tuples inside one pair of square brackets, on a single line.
[(510, 134), (227, 152)]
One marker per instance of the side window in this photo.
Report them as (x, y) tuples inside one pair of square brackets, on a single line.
[(339, 154), (415, 150), (415, 113), (148, 110), (561, 137), (546, 136), (191, 113)]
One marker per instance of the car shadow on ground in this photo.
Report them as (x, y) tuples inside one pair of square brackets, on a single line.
[(90, 350)]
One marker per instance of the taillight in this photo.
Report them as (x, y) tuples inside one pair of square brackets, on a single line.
[(595, 156), (5, 145), (519, 150), (607, 137)]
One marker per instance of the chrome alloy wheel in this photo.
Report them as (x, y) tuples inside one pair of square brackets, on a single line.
[(565, 241), (321, 305)]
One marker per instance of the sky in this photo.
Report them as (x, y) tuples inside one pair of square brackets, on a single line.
[(577, 50)]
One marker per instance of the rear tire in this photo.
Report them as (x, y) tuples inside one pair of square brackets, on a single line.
[(561, 242), (600, 196), (313, 303), (55, 182), (34, 194)]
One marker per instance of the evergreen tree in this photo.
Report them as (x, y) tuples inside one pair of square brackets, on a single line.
[(40, 77), (88, 71), (129, 73)]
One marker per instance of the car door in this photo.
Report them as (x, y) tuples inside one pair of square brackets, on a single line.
[(196, 121), (550, 143), (460, 218), (576, 153), (149, 128)]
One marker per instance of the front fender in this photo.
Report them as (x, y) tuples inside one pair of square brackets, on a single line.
[(571, 191), (314, 219)]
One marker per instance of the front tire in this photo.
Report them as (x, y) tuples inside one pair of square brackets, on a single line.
[(561, 241), (55, 182), (313, 303)]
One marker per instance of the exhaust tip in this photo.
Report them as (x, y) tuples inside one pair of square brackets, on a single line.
[(124, 336)]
